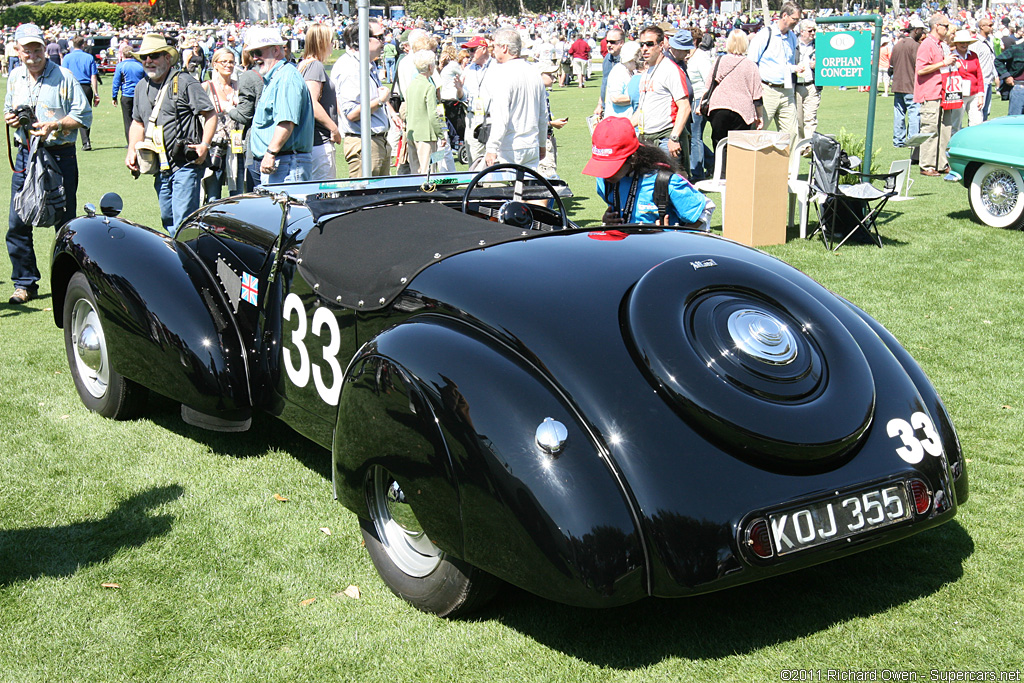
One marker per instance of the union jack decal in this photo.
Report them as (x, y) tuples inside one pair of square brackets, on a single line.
[(250, 288)]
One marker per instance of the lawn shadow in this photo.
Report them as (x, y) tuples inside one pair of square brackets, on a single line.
[(741, 620), (62, 550), (266, 433)]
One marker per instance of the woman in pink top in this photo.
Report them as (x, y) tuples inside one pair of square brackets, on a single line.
[(736, 102)]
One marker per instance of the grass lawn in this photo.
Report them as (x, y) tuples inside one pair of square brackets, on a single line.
[(151, 550)]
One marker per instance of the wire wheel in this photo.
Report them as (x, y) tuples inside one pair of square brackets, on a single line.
[(997, 196)]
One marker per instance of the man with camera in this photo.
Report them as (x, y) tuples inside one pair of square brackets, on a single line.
[(43, 101), (178, 132)]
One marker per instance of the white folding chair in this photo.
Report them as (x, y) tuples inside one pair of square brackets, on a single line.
[(716, 183), (799, 190)]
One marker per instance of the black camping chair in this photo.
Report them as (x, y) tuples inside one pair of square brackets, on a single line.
[(844, 210)]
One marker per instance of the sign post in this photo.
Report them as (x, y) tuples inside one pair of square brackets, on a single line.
[(850, 58)]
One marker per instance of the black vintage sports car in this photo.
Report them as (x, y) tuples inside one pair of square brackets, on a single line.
[(593, 415)]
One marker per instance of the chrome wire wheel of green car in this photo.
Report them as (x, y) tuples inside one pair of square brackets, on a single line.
[(997, 196), (101, 389), (407, 560)]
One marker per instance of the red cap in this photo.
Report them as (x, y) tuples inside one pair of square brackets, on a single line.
[(475, 42), (614, 141)]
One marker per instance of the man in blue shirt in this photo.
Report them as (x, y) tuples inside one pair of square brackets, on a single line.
[(60, 108), (282, 126), (82, 66), (774, 49), (128, 73)]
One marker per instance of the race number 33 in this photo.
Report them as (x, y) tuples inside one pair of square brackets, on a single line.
[(297, 362), (914, 447)]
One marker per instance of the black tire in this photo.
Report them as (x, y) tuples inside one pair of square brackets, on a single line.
[(411, 566), (101, 389), (464, 154)]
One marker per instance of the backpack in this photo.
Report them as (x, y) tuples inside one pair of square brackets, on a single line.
[(661, 199), (42, 196)]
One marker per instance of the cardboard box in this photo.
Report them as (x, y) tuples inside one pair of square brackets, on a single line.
[(756, 203)]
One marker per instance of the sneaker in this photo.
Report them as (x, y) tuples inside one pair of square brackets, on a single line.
[(952, 177), (21, 296)]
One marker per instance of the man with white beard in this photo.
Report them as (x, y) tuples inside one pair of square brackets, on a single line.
[(184, 146)]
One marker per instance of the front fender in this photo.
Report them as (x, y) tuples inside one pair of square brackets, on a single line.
[(167, 324), (453, 414)]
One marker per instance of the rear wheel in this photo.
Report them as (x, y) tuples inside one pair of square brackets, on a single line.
[(101, 389), (997, 196), (410, 564)]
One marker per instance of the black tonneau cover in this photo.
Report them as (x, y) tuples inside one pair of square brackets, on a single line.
[(364, 259)]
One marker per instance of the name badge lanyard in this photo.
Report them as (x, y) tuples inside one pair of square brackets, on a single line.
[(627, 211)]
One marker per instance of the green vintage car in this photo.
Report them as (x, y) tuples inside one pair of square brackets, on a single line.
[(990, 157)]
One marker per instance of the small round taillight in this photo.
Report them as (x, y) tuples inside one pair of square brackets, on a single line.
[(922, 497), (759, 540)]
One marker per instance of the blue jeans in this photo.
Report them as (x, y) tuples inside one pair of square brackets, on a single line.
[(24, 272), (904, 106), (389, 69), (178, 195), (702, 159), (988, 103), (291, 168), (1017, 100)]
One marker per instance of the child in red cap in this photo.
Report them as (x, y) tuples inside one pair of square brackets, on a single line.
[(626, 173)]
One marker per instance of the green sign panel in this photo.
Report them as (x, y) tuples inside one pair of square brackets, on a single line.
[(843, 58)]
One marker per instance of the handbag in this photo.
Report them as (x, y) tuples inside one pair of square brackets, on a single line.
[(705, 101), (704, 108), (147, 154)]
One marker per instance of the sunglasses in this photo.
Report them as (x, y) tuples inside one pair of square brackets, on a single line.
[(151, 57), (613, 42), (648, 43), (378, 36)]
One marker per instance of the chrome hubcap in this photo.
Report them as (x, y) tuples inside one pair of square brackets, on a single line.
[(398, 529), (762, 336), (999, 193), (90, 348)]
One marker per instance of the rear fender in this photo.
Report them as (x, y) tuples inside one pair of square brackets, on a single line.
[(936, 408), (166, 321), (453, 414)]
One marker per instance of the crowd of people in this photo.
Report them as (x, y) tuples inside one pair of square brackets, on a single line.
[(231, 106)]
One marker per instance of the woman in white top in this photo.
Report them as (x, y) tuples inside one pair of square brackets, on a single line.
[(616, 97)]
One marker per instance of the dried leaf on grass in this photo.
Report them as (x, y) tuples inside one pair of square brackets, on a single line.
[(279, 498), (326, 530), (308, 601), (110, 585), (352, 592)]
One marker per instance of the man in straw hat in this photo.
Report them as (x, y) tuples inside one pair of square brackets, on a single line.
[(182, 128), (58, 109)]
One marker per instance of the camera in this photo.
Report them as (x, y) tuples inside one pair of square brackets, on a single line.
[(26, 115), (182, 154), (218, 152)]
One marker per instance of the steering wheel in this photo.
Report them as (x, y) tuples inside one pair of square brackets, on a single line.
[(517, 211)]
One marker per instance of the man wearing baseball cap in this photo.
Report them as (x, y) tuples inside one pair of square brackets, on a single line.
[(475, 81), (44, 102), (282, 128), (627, 173)]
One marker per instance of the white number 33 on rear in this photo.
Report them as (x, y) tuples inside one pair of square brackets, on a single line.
[(913, 448)]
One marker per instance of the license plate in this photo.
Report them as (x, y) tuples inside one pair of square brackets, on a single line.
[(837, 518)]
